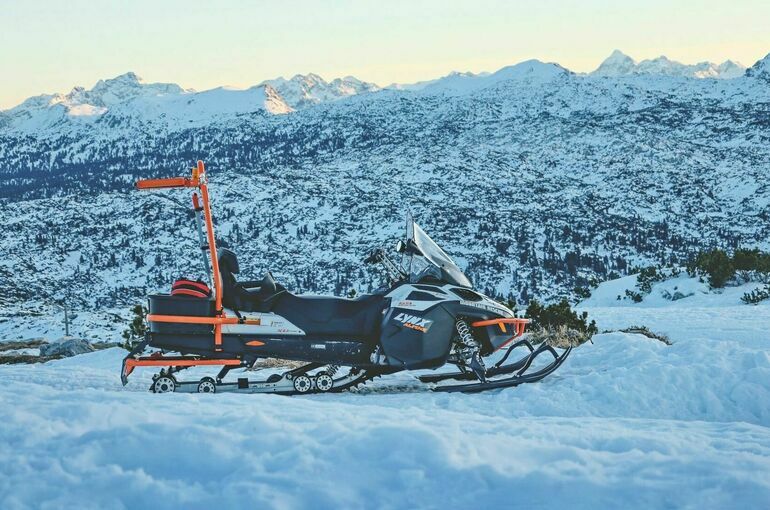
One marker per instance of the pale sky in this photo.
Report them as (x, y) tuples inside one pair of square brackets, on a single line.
[(50, 46)]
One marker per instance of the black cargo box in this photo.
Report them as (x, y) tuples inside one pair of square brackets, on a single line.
[(166, 304)]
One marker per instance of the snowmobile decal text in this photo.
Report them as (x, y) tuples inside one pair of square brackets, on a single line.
[(414, 322), (485, 306)]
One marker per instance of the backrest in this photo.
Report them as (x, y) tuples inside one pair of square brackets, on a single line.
[(228, 262), (228, 268)]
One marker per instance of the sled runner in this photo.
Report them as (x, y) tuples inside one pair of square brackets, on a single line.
[(427, 316)]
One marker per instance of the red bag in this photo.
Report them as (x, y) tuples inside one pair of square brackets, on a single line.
[(190, 288)]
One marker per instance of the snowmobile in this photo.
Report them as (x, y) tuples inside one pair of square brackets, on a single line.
[(427, 316)]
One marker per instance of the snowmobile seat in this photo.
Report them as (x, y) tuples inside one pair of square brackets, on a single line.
[(331, 316), (248, 296), (260, 296), (315, 315)]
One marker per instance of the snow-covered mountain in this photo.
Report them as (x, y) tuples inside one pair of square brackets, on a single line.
[(303, 91), (620, 64), (127, 100), (538, 180), (454, 75), (528, 72), (760, 70)]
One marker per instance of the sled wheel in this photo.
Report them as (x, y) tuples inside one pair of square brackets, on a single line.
[(164, 384), (324, 382), (207, 385), (302, 384)]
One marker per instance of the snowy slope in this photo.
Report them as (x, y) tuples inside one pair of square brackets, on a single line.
[(626, 422), (678, 292)]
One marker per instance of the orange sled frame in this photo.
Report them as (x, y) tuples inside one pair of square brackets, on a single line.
[(197, 181)]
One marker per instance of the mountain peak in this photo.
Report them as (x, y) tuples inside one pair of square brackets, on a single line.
[(530, 68), (618, 63), (618, 56), (761, 69), (129, 77)]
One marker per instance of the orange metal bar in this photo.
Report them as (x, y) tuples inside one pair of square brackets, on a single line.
[(200, 172), (161, 362), (189, 319), (171, 182), (192, 319), (500, 321), (519, 326), (132, 363)]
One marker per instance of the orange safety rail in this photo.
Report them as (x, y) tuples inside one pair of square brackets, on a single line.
[(519, 326), (193, 319), (160, 361)]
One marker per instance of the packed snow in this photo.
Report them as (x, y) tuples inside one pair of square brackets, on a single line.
[(626, 422)]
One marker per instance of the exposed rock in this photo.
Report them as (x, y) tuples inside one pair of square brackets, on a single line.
[(67, 348)]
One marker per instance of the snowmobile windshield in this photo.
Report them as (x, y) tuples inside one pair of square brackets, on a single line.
[(436, 262)]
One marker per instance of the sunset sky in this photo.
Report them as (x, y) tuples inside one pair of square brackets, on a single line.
[(51, 46)]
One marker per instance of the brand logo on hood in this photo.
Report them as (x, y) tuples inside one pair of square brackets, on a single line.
[(413, 322)]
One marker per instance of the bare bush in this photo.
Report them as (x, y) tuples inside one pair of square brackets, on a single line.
[(561, 337), (644, 330)]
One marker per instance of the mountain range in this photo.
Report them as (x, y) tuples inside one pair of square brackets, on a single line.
[(620, 64), (128, 95), (538, 180)]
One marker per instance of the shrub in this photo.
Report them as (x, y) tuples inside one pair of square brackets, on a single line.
[(647, 276), (636, 297), (136, 329), (583, 292), (717, 264), (746, 260), (557, 315), (756, 295)]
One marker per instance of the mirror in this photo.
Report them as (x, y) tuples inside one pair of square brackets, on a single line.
[(400, 247)]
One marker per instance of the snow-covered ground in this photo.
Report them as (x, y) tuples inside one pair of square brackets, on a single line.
[(627, 422)]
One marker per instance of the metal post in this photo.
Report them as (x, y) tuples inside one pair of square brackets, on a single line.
[(198, 211)]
